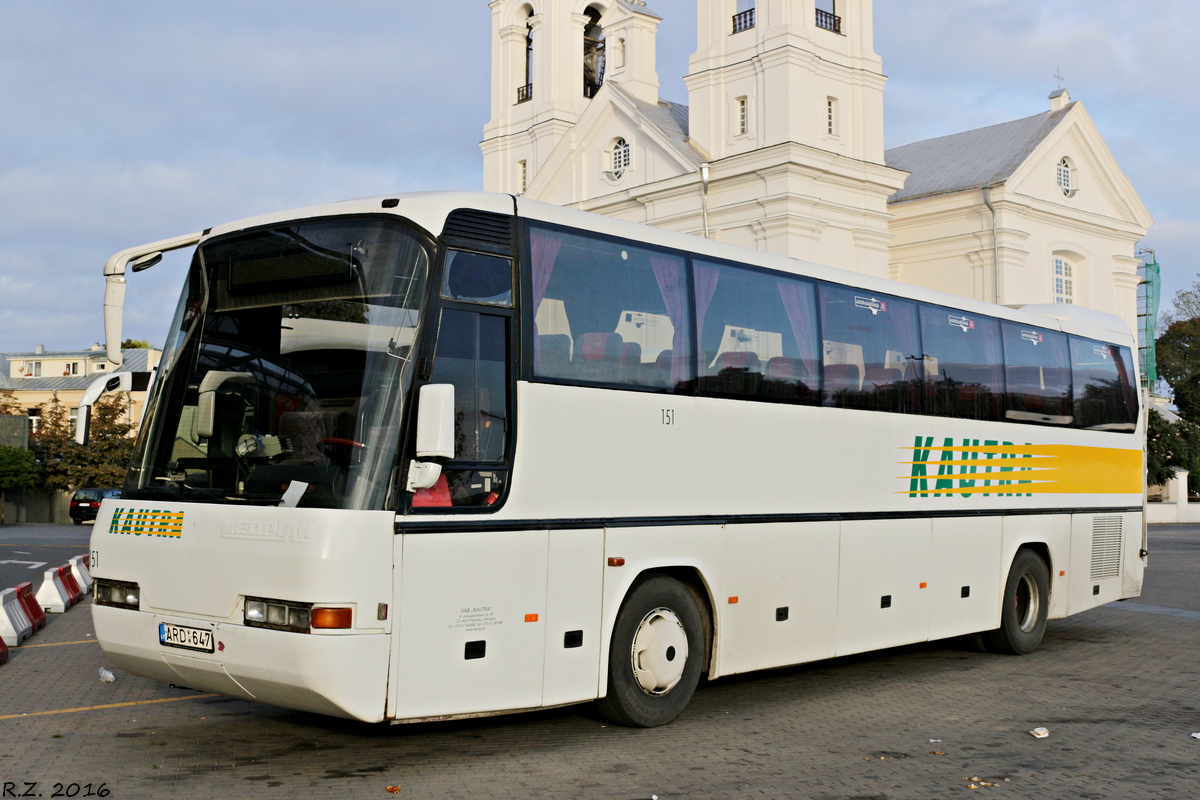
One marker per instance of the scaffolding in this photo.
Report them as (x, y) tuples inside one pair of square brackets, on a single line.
[(1149, 287)]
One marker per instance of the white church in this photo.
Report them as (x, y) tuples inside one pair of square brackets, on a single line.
[(781, 148)]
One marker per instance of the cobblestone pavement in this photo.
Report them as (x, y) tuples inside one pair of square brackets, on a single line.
[(1117, 687)]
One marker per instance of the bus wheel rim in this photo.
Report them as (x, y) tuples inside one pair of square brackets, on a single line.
[(660, 651), (1029, 602)]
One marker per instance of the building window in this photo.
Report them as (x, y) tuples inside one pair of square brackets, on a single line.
[(100, 366), (742, 121), (523, 175), (593, 53), (71, 368), (33, 369), (743, 20), (1066, 177), (525, 91), (621, 158), (1064, 291), (831, 116), (827, 17)]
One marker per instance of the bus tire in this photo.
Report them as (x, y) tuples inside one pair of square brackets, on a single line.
[(1025, 605), (655, 656)]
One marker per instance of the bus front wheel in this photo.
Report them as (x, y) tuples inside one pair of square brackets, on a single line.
[(1026, 603), (655, 658)]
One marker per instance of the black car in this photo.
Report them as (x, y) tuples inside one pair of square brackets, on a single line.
[(86, 503)]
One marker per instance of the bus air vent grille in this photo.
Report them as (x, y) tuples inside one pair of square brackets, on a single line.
[(481, 229), (1106, 547)]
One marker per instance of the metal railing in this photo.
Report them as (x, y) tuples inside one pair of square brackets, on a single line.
[(829, 21), (524, 93), (743, 21)]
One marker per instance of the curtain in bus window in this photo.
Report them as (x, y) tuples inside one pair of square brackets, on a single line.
[(757, 334), (1037, 373), (871, 350), (964, 364), (1102, 386), (608, 311)]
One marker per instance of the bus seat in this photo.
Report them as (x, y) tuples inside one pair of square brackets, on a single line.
[(743, 361), (841, 378), (782, 368), (878, 377), (553, 355), (631, 363), (599, 357), (306, 429)]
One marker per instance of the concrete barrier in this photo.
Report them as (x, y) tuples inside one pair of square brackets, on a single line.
[(30, 604), (68, 580), (15, 627), (83, 576), (52, 596), (3, 652)]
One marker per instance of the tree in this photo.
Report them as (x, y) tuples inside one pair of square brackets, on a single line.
[(18, 468), (136, 344), (105, 457), (52, 445), (1170, 447), (10, 405), (1178, 358), (1185, 305)]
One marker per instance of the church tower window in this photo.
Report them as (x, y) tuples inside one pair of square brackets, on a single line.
[(743, 20), (827, 17), (1066, 177), (831, 116), (593, 53), (621, 158), (525, 91), (1064, 291), (742, 121)]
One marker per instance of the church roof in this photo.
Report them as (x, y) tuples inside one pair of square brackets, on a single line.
[(972, 159), (670, 118)]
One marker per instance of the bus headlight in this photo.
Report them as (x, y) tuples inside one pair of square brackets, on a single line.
[(280, 615), (119, 594)]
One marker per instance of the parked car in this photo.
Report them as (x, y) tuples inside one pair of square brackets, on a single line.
[(85, 503)]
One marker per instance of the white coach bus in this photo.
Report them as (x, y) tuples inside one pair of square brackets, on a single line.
[(455, 454)]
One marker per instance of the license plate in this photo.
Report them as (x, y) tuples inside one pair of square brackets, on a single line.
[(187, 638)]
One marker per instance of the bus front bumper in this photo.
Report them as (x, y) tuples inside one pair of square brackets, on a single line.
[(342, 675)]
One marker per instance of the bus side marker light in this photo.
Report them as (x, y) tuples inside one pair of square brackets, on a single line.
[(332, 617), (924, 585), (616, 561), (381, 613), (531, 617), (733, 600), (1062, 572)]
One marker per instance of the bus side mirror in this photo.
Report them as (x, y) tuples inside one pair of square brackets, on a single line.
[(435, 434), (435, 421), (206, 408)]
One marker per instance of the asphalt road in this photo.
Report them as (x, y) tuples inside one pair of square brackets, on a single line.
[(1116, 687), (27, 551)]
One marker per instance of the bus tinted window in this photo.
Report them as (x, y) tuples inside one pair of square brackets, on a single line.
[(1104, 395), (757, 334), (1037, 374), (871, 350), (963, 364), (607, 311)]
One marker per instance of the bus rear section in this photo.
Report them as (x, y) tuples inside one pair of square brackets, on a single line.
[(285, 606)]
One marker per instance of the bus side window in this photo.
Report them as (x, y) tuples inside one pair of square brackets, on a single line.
[(1037, 375), (968, 379), (1104, 395), (872, 350), (472, 355), (608, 311), (757, 334)]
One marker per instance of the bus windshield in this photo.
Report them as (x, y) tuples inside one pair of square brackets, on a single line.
[(288, 362)]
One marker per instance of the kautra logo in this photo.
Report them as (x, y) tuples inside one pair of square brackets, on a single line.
[(147, 522), (970, 467)]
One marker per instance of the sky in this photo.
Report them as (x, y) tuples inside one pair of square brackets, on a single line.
[(128, 121)]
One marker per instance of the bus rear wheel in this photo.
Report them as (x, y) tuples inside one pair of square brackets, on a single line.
[(656, 654), (1026, 603)]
